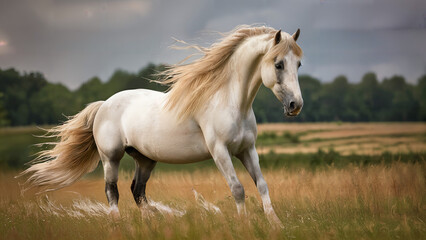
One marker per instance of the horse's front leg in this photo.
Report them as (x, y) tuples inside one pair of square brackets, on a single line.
[(222, 158), (250, 160)]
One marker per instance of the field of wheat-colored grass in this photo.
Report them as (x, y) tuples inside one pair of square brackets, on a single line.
[(348, 138), (377, 202)]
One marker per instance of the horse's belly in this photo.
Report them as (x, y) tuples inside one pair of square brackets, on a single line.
[(158, 135), (174, 148)]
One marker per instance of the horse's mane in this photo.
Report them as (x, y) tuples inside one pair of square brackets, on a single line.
[(192, 85)]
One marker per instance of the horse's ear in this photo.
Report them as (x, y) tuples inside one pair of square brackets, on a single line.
[(296, 34), (277, 37)]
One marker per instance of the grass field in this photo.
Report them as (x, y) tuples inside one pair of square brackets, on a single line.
[(344, 138), (354, 200)]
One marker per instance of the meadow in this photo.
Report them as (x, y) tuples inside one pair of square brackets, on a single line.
[(327, 181)]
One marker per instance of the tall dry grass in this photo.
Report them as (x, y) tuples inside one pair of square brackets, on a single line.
[(384, 202)]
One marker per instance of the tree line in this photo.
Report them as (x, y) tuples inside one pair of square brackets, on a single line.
[(29, 98)]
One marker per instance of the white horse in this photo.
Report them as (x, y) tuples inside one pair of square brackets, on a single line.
[(207, 113)]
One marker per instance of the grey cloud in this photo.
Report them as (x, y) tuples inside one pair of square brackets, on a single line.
[(71, 41)]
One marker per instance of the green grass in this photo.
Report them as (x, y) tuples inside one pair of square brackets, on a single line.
[(17, 146), (272, 138)]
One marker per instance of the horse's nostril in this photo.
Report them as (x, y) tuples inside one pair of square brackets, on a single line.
[(292, 106)]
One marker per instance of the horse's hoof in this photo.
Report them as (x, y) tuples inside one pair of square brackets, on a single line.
[(274, 220), (148, 210)]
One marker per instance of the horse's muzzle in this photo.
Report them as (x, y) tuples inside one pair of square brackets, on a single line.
[(293, 108)]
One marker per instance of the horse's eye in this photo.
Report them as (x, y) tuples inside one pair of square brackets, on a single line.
[(279, 66), (299, 64)]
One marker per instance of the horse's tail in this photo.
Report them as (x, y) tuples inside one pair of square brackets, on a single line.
[(74, 155)]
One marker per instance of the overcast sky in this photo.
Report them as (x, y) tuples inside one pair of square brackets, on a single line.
[(72, 41)]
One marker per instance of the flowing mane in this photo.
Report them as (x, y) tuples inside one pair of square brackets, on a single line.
[(191, 85)]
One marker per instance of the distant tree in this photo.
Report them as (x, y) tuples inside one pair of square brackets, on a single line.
[(420, 93), (18, 90), (373, 98), (333, 98), (29, 99), (4, 121), (310, 88), (52, 104), (117, 82), (403, 105), (90, 91), (267, 107)]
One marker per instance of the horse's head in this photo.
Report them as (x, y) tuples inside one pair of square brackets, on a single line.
[(279, 71)]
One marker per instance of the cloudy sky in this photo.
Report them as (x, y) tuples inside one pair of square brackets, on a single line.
[(72, 41)]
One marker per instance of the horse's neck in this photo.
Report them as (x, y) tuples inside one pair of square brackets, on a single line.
[(245, 78)]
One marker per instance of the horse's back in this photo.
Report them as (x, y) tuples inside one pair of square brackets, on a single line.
[(137, 118)]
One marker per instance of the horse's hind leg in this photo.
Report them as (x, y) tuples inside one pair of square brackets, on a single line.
[(144, 167), (110, 163)]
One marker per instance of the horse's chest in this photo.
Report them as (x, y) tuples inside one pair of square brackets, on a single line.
[(240, 142), (229, 128), (240, 139)]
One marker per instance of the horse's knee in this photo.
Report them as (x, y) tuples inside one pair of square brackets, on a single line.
[(262, 187), (237, 190), (110, 171)]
